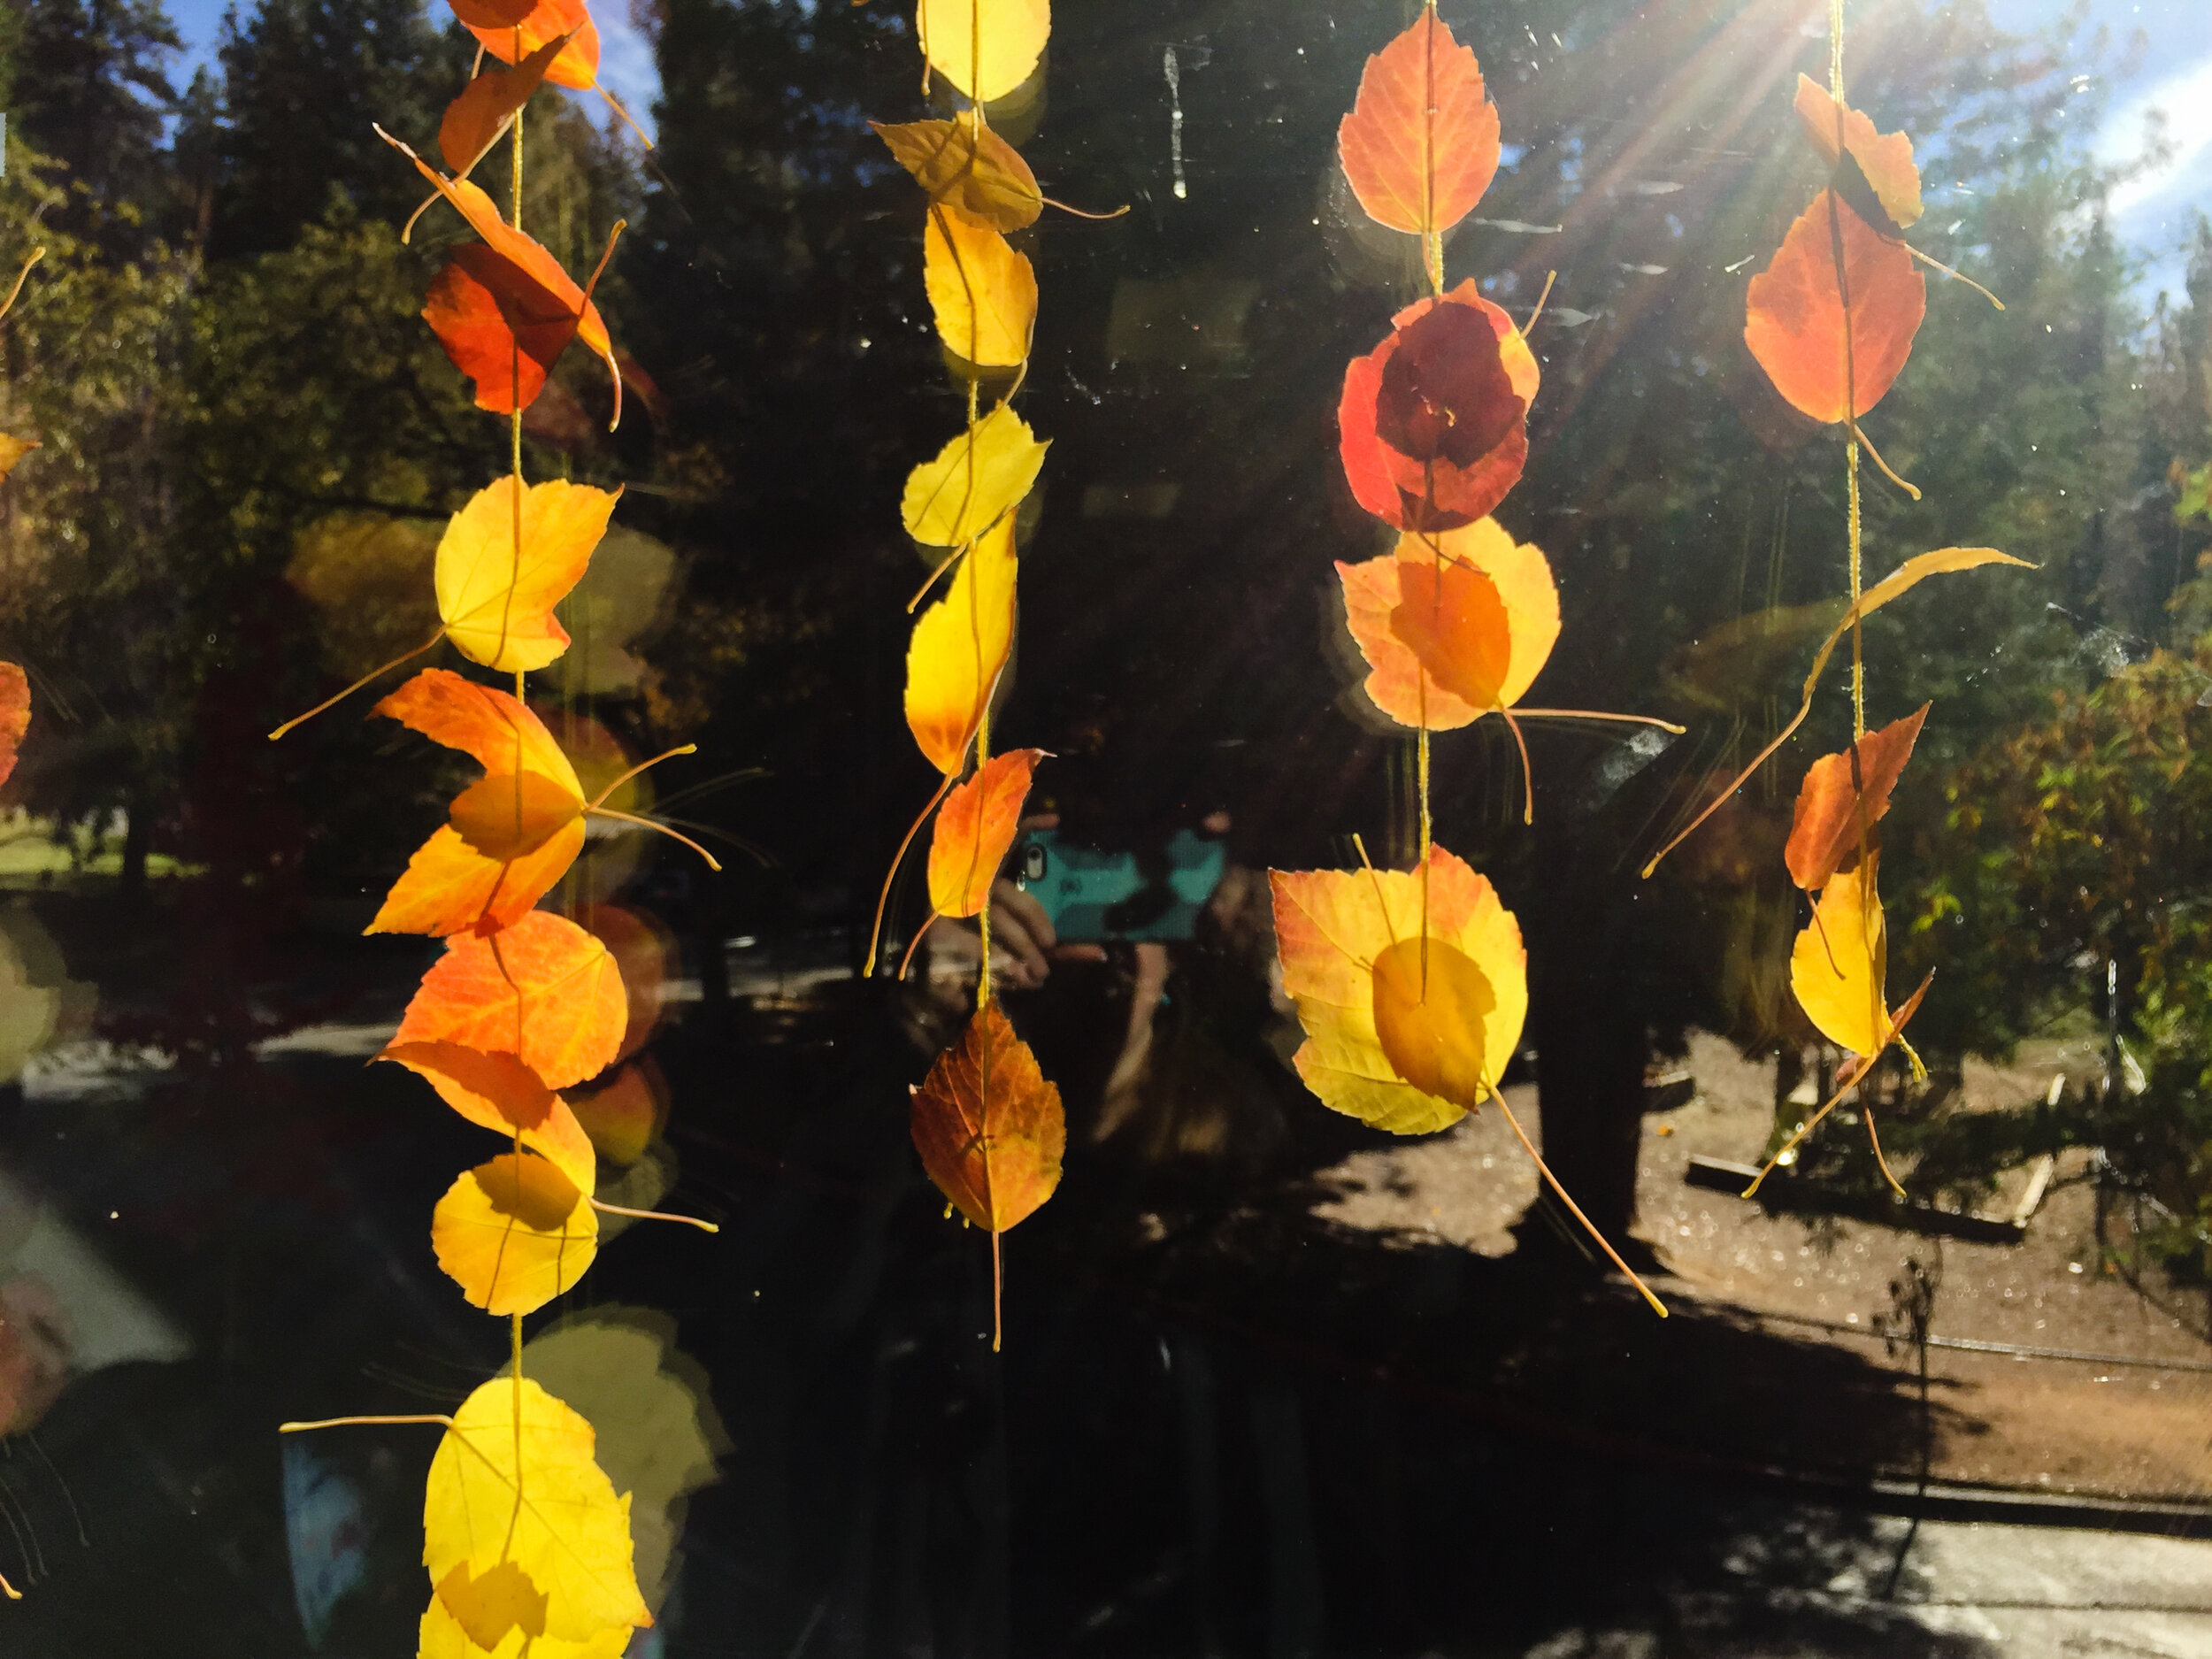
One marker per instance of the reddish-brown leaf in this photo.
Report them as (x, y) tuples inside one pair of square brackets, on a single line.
[(1433, 422), (1834, 811), (1834, 363), (1421, 143), (975, 827), (988, 1126)]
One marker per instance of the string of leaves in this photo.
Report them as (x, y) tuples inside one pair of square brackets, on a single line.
[(527, 1545)]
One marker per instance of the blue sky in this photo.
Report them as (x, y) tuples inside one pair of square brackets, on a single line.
[(625, 59)]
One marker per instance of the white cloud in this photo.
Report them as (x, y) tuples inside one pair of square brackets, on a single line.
[(2185, 99)]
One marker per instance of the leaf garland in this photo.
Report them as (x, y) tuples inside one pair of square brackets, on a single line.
[(1411, 986), (961, 507), (527, 1546), (1831, 322)]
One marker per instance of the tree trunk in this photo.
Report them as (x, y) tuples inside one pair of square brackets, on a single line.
[(138, 834), (1591, 1048)]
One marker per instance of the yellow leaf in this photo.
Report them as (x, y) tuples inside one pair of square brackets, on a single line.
[(498, 608), (514, 1233), (514, 1482), (984, 293), (986, 48), (972, 167), (974, 481), (1839, 966), (1343, 936), (13, 449), (958, 648), (443, 1637)]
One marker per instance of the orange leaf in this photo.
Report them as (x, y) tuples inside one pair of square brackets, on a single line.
[(988, 1126), (475, 119), (1884, 160), (981, 174), (13, 449), (1833, 812), (521, 298), (1433, 422), (543, 990), (499, 1093), (975, 827), (1421, 143), (578, 63), (15, 715), (1453, 620), (1833, 366), (514, 1233), (450, 885), (492, 14), (958, 648), (1342, 936)]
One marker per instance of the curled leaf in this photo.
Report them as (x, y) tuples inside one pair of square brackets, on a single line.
[(983, 294), (542, 990), (1840, 801), (959, 646), (986, 51), (474, 121), (969, 168), (975, 827), (1841, 963), (1421, 145), (498, 579), (514, 1482), (514, 1233), (1882, 159), (499, 1093), (576, 64), (1831, 361), (973, 481), (1341, 933)]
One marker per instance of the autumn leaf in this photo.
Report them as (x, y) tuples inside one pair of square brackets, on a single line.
[(1832, 364), (973, 481), (959, 646), (452, 884), (975, 827), (1882, 159), (1421, 145), (497, 584), (1840, 801), (1342, 936), (967, 167), (505, 297), (15, 716), (441, 1636), (514, 1233), (492, 14), (1907, 576), (986, 51), (1432, 424), (645, 954), (577, 65), (1841, 963), (498, 1091), (486, 108), (542, 990), (514, 1483), (983, 294), (1430, 603), (990, 1130), (13, 451), (622, 1115)]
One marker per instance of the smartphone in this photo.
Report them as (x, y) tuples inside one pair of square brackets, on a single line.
[(1093, 896)]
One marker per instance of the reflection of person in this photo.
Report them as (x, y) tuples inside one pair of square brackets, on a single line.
[(34, 1352), (1181, 1071)]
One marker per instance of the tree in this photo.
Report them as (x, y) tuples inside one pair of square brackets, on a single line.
[(90, 87)]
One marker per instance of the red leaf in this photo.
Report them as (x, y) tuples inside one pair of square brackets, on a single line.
[(1421, 143)]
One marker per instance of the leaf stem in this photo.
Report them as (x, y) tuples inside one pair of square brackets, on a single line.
[(654, 824), (367, 1421), (301, 719), (1544, 1170), (652, 1215)]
